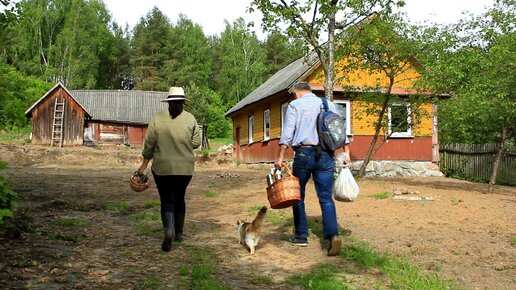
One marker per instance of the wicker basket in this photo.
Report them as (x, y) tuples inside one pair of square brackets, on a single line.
[(139, 182), (285, 192)]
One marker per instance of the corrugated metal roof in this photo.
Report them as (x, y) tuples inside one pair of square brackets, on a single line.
[(280, 81), (121, 106)]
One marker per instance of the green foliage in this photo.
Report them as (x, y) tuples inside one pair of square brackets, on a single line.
[(241, 63), (208, 109), (62, 40), (402, 274), (152, 204), (474, 61), (7, 197), (16, 135), (17, 93), (322, 277), (119, 207), (380, 195), (71, 222), (211, 193)]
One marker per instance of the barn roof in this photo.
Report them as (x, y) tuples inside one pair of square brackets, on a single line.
[(280, 81), (121, 106), (116, 106)]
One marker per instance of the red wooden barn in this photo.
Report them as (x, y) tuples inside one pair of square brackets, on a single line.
[(63, 117)]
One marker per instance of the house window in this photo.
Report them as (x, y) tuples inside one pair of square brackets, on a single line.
[(266, 125), (399, 120), (283, 114), (251, 128), (344, 109)]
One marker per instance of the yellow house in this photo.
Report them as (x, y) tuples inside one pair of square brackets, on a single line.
[(257, 119)]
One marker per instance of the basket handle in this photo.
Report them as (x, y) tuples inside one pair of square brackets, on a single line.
[(287, 168)]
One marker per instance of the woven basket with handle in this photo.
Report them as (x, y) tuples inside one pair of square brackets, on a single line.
[(284, 192)]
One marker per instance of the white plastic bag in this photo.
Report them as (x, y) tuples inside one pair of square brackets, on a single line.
[(345, 188)]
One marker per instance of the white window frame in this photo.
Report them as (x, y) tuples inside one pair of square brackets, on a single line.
[(250, 128), (348, 114), (406, 134), (266, 135), (284, 107)]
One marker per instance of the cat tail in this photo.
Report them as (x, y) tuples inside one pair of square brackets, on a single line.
[(258, 220)]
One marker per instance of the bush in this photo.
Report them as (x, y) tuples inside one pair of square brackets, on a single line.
[(7, 199)]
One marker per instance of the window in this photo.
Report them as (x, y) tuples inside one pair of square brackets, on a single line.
[(344, 109), (283, 114), (251, 128), (266, 125), (399, 120)]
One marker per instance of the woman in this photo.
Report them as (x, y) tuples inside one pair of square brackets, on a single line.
[(171, 137)]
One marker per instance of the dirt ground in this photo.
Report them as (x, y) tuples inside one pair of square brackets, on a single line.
[(462, 235)]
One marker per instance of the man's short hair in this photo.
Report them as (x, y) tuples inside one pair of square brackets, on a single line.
[(300, 86)]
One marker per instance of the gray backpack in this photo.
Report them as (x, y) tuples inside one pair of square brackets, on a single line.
[(331, 128)]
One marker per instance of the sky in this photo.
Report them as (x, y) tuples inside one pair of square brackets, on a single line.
[(210, 14)]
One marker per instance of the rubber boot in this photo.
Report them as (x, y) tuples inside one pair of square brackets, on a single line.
[(179, 224), (168, 226)]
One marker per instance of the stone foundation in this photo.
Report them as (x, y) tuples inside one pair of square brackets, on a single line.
[(380, 168)]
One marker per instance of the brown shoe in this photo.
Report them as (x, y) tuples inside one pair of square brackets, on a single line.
[(334, 248)]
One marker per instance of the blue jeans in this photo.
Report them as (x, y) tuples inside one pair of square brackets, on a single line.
[(308, 162)]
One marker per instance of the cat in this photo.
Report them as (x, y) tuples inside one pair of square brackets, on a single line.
[(249, 232)]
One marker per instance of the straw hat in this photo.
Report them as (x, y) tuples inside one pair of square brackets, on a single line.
[(176, 94)]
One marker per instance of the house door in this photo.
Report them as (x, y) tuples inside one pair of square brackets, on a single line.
[(237, 143)]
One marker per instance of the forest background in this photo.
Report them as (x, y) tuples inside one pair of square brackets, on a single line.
[(77, 42)]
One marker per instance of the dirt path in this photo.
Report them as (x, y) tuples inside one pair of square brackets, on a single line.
[(462, 234)]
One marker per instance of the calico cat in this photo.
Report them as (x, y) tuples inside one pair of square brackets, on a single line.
[(249, 232)]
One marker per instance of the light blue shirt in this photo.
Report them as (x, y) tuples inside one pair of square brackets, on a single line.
[(300, 124)]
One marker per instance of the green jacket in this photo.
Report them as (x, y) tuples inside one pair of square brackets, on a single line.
[(170, 143)]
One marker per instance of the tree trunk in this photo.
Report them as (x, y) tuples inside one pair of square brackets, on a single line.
[(496, 164), (328, 83), (378, 127)]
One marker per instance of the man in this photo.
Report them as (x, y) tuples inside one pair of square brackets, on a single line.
[(300, 132)]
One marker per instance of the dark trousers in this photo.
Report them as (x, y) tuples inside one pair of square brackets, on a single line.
[(312, 162), (172, 189)]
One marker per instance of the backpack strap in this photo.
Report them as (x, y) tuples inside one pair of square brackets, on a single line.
[(325, 104)]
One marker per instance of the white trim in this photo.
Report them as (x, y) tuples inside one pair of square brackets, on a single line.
[(406, 134), (348, 114), (266, 135), (283, 112), (250, 129)]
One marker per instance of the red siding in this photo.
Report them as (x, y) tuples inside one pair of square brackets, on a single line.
[(262, 152), (415, 149), (136, 135)]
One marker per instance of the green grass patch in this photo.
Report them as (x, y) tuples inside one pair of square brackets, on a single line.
[(119, 207), (323, 277), (71, 223), (147, 223), (3, 164), (380, 195), (513, 241), (201, 270), (151, 204), (211, 193), (150, 282), (402, 274), (146, 216), (68, 238), (454, 201), (19, 136), (278, 217)]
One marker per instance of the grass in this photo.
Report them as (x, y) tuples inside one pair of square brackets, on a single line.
[(513, 241), (203, 265), (19, 136), (280, 218), (3, 164), (322, 277), (152, 204), (454, 201), (402, 274), (150, 282), (119, 207), (211, 193), (147, 223), (380, 195)]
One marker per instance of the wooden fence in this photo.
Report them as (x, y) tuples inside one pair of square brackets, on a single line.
[(476, 161)]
